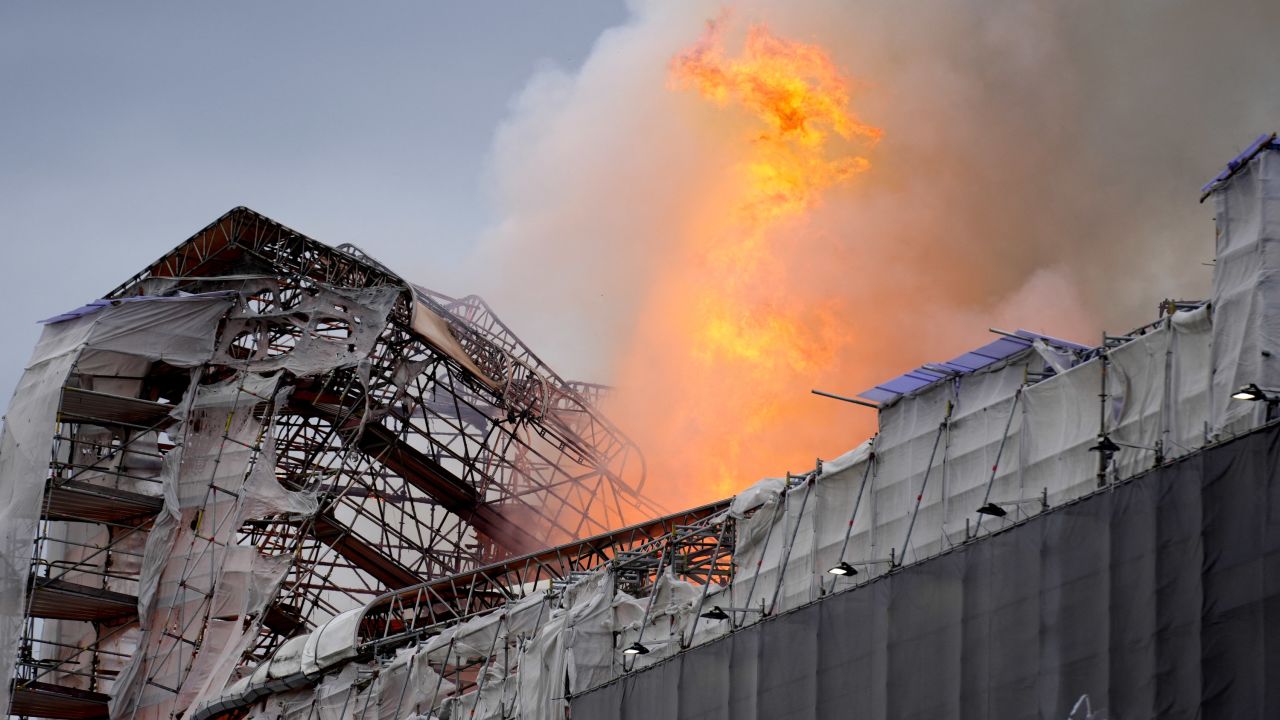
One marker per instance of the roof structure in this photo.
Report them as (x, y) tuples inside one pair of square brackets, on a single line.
[(259, 432), (1007, 346)]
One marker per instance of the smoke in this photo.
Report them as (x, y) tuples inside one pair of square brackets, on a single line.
[(1039, 168)]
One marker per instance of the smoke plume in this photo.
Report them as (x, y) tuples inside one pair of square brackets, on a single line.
[(1039, 168)]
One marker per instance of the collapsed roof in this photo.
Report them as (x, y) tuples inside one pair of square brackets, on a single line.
[(257, 433)]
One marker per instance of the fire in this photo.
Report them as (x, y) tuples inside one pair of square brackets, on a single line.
[(716, 384)]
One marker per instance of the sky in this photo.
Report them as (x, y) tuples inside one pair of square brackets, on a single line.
[(127, 126)]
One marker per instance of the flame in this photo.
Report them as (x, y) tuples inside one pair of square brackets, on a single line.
[(716, 384)]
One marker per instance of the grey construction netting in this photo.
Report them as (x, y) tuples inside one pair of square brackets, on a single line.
[(1157, 598)]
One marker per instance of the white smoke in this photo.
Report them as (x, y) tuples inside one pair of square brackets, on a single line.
[(1040, 167)]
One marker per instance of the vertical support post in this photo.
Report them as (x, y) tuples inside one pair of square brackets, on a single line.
[(702, 598), (1104, 458), (848, 531), (795, 531), (924, 484)]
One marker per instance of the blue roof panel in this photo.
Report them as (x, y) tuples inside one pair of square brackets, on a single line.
[(1236, 163), (989, 354)]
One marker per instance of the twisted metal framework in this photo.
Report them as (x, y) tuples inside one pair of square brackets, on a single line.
[(694, 545), (442, 452)]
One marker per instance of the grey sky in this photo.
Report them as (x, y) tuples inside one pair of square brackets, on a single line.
[(125, 127)]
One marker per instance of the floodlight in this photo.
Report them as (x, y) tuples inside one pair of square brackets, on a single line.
[(1105, 445), (993, 510), (716, 613), (1249, 392), (636, 649), (843, 568)]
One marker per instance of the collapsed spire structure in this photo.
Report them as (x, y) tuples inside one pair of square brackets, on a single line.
[(255, 434)]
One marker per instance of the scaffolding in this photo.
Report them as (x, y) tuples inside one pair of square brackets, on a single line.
[(259, 433)]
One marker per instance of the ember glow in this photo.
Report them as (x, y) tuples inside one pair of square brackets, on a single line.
[(716, 386)]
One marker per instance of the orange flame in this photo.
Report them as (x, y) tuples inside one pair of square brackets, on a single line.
[(717, 379)]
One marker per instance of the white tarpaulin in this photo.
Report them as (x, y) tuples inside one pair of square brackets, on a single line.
[(1246, 291), (179, 331)]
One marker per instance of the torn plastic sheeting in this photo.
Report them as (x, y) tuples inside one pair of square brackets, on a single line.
[(213, 571), (493, 699), (142, 329), (264, 495), (435, 330), (224, 642), (423, 686), (542, 672), (526, 615), (1057, 358), (192, 568), (476, 638), (218, 435), (764, 492), (588, 631), (671, 611), (757, 552), (439, 648), (329, 329)]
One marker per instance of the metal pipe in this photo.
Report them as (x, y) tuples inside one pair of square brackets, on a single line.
[(833, 396), (1017, 395), (848, 531), (924, 484), (786, 552)]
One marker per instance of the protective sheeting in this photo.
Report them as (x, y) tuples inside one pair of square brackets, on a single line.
[(179, 332), (1153, 600), (194, 577), (1246, 291), (1005, 434), (1190, 376), (326, 329), (940, 446), (910, 454), (993, 436), (1060, 423), (666, 617), (435, 330)]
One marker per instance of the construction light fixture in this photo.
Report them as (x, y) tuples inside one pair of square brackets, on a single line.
[(997, 509), (993, 510), (843, 568), (636, 648), (1250, 392), (847, 569), (1105, 445), (716, 613)]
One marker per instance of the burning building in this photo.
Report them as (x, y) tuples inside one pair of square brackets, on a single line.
[(267, 478), (259, 433)]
